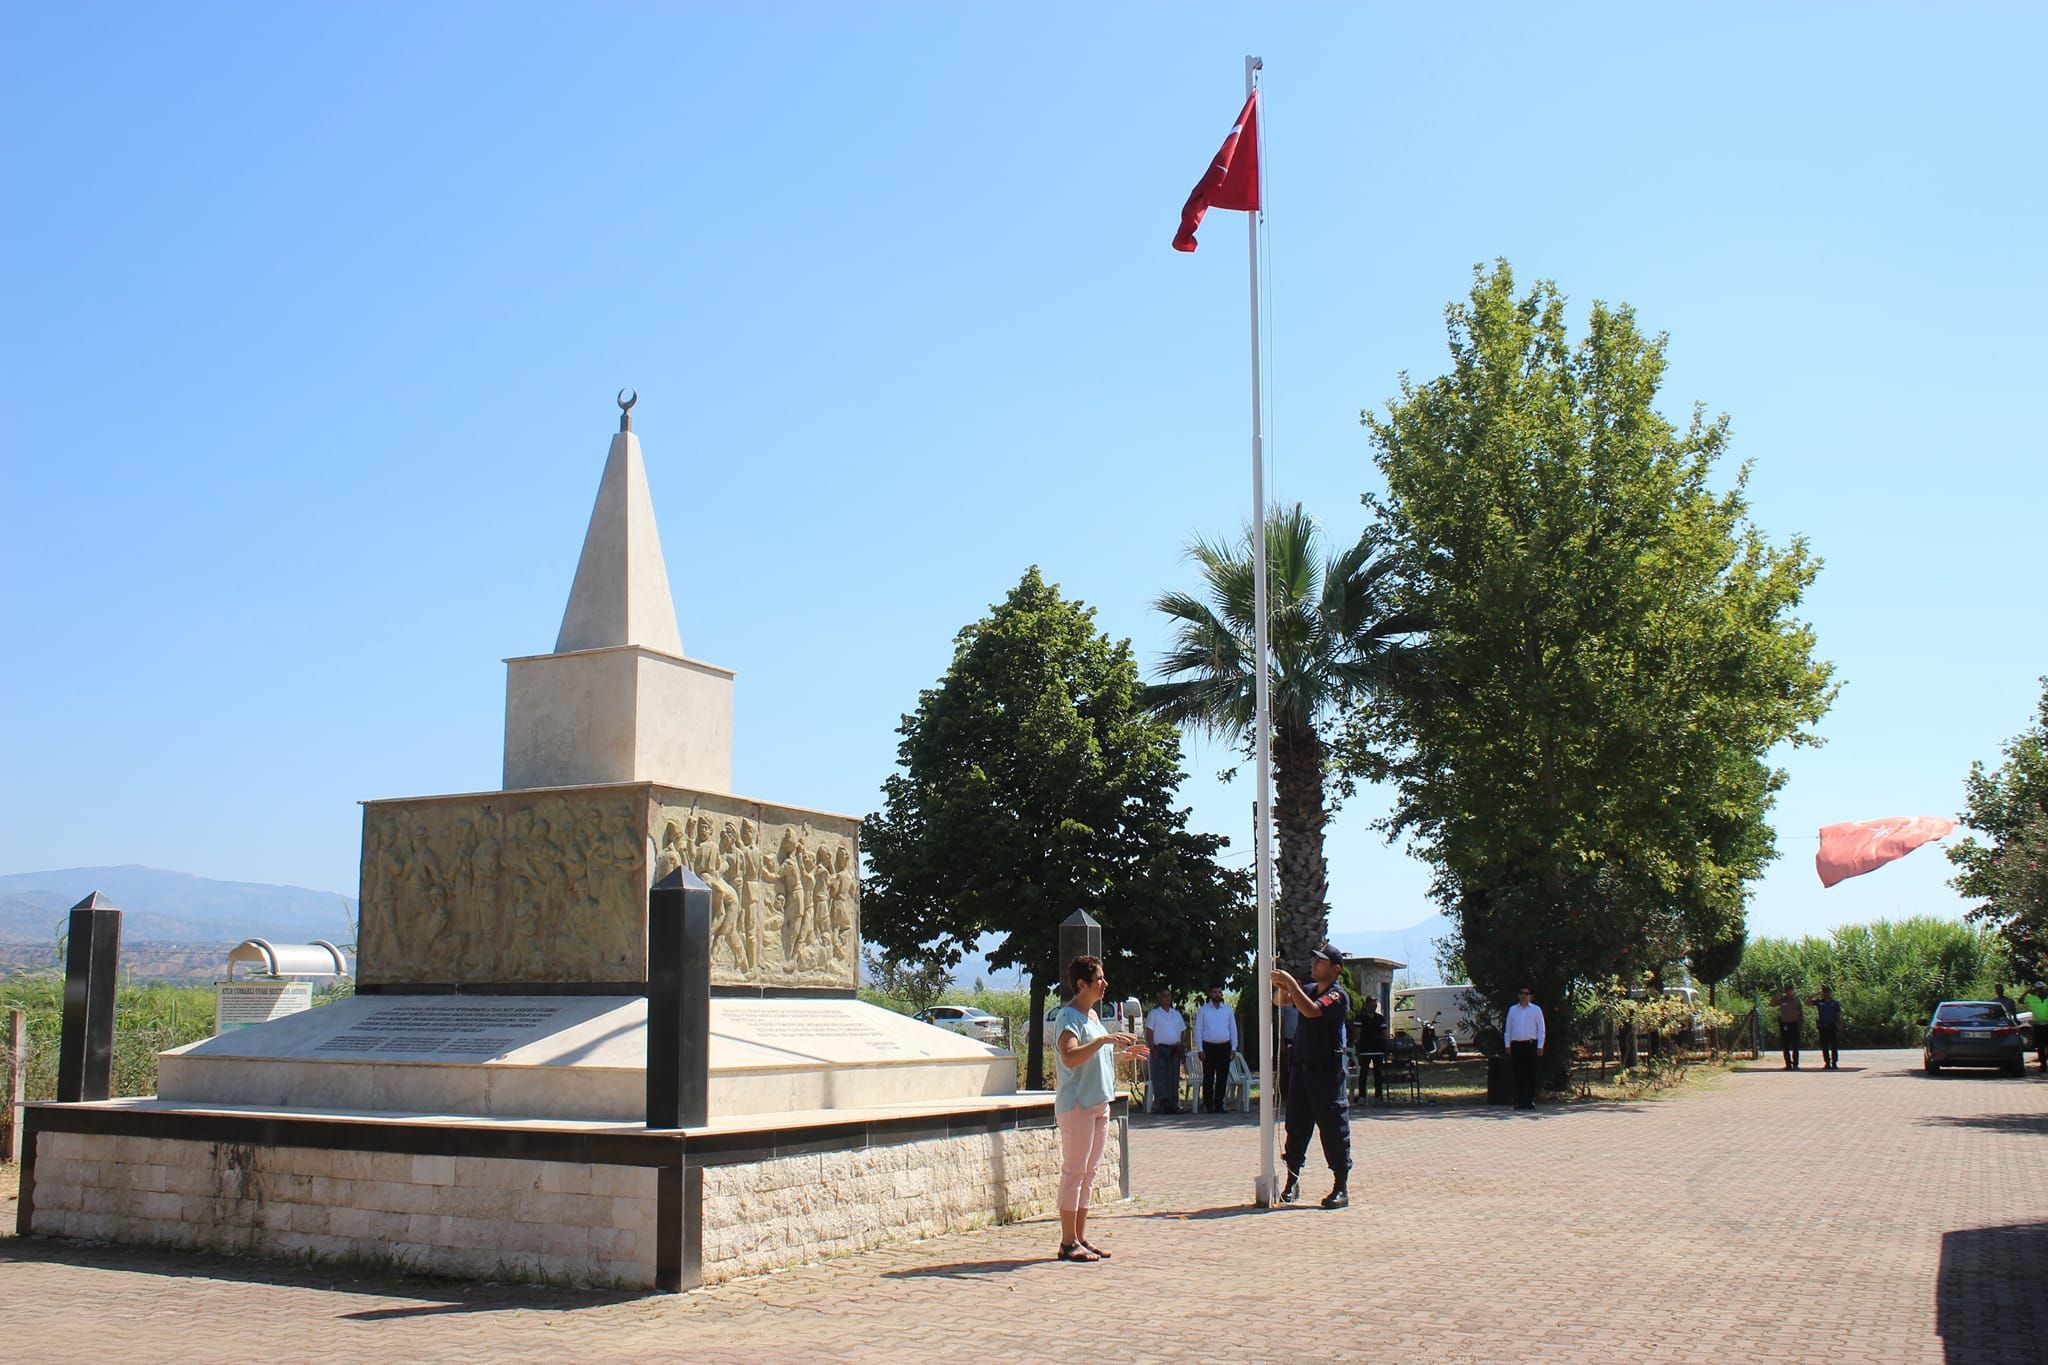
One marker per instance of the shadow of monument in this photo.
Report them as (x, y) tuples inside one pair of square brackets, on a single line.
[(435, 1294), (1989, 1305)]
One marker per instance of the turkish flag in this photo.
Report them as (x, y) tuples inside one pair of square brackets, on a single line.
[(1232, 180), (1859, 846)]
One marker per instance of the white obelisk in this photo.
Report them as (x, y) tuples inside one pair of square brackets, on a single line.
[(617, 701)]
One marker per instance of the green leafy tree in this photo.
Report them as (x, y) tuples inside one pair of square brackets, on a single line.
[(917, 983), (2008, 876), (1613, 649), (1333, 635), (1032, 783), (1888, 974)]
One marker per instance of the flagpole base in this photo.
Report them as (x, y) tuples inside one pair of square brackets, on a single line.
[(1263, 1194)]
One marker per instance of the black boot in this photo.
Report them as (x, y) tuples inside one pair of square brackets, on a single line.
[(1337, 1198), (1291, 1192)]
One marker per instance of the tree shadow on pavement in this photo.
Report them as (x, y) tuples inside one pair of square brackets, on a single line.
[(435, 1295), (1987, 1293), (2036, 1124)]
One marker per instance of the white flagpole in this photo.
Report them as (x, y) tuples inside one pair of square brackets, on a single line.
[(1268, 1187)]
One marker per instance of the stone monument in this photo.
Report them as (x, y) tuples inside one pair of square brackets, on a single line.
[(485, 1103)]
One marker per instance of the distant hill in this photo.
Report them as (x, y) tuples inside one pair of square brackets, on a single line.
[(1414, 945), (171, 907)]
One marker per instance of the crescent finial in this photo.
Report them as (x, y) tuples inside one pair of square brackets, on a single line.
[(626, 409)]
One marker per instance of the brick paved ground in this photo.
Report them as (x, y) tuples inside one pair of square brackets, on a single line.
[(1868, 1215)]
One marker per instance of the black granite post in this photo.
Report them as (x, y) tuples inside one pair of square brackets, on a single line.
[(679, 1063), (1080, 935), (85, 1050)]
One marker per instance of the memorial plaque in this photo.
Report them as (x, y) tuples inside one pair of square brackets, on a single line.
[(238, 1004), (461, 1030)]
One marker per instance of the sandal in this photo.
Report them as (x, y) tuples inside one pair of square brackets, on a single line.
[(1100, 1253), (1078, 1251)]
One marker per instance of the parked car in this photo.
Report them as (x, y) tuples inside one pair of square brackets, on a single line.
[(975, 1023), (1974, 1033)]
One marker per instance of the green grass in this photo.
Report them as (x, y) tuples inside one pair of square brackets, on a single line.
[(147, 1020)]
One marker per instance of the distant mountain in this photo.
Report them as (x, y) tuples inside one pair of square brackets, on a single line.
[(1414, 945), (172, 907)]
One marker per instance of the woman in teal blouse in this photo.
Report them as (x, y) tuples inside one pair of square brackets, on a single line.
[(1087, 1082)]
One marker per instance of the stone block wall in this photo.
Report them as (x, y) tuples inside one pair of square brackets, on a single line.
[(558, 1222), (801, 1208), (473, 1217)]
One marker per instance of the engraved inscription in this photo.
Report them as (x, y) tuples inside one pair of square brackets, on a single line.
[(767, 1024), (465, 1030)]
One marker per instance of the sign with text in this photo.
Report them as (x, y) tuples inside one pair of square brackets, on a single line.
[(238, 1004)]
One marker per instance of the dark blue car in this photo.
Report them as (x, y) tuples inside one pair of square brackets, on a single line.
[(1974, 1033)]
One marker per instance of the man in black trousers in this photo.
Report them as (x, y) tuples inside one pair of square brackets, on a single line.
[(1316, 1093), (1524, 1035)]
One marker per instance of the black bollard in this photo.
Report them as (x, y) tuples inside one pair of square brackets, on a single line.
[(85, 1050)]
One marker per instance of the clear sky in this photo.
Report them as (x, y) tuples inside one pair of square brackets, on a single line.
[(312, 316)]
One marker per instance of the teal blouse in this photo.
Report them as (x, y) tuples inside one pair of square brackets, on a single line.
[(1094, 1081)]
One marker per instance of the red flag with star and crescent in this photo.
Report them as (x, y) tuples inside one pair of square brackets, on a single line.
[(1232, 180)]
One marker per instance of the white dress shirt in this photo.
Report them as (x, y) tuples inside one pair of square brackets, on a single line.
[(1167, 1026), (1216, 1024), (1525, 1025)]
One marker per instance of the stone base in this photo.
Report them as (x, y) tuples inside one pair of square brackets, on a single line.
[(577, 1057), (592, 1205)]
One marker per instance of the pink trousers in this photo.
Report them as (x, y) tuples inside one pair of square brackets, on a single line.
[(1083, 1131)]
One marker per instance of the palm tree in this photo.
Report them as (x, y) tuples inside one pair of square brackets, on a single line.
[(1333, 632)]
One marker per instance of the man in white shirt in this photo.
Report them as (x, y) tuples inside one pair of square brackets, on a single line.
[(1216, 1036), (1166, 1031), (1525, 1038)]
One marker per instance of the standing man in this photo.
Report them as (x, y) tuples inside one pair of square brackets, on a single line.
[(2004, 1002), (2036, 1000), (1791, 1026), (1165, 1032), (1827, 1023), (1372, 1047), (1216, 1035), (1316, 1096), (1526, 1038)]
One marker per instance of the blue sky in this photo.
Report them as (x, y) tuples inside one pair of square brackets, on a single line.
[(314, 314)]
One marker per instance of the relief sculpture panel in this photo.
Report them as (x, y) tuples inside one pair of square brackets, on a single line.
[(552, 887), (505, 887), (785, 887)]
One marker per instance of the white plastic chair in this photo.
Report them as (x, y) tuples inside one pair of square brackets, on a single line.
[(1237, 1087)]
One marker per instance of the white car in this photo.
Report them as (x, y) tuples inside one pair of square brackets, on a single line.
[(975, 1023)]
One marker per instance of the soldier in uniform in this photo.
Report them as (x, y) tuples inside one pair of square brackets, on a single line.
[(1316, 1096)]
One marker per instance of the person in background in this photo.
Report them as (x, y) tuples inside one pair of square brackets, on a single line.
[(1791, 1026), (2004, 1002), (1372, 1045), (1525, 1037), (1316, 1098), (1827, 1024), (2036, 1000), (1166, 1030), (1216, 1036), (1084, 1052)]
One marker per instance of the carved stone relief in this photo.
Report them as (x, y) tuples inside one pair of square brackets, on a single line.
[(552, 887), (785, 896), (505, 888)]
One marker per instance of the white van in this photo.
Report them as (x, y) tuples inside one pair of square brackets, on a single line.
[(1450, 1008)]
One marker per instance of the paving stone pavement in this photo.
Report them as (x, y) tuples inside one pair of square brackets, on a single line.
[(1867, 1215)]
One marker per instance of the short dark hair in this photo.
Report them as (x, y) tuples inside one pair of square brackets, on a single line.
[(1083, 970)]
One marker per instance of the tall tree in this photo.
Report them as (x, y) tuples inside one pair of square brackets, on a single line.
[(1032, 783), (1613, 650), (1332, 635), (2009, 875)]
